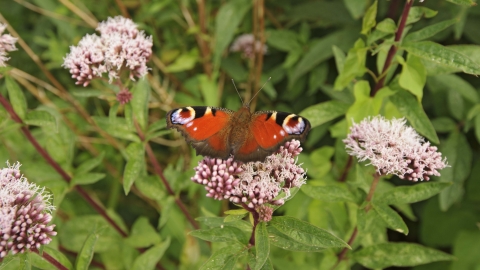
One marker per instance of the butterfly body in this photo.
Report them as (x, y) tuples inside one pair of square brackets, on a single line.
[(219, 132)]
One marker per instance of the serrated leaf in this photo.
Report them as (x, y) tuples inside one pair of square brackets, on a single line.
[(229, 16), (332, 192), (87, 178), (323, 112), (283, 241), (393, 220), (429, 31), (413, 76), (16, 96), (442, 55), (42, 119), (135, 165), (149, 258), (85, 256), (408, 106), (262, 245), (143, 234), (369, 18), (459, 155), (90, 164), (398, 254), (410, 194), (139, 102), (224, 258), (221, 234), (306, 233)]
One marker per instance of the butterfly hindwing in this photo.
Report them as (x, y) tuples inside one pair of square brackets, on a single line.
[(203, 127), (272, 129)]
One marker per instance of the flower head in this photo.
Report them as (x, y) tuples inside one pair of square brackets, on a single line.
[(119, 46), (124, 96), (24, 213), (248, 46), (7, 44), (252, 184), (394, 148)]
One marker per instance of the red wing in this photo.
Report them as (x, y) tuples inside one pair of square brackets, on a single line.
[(272, 129), (203, 127)]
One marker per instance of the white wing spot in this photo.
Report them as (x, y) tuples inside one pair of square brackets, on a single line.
[(195, 129), (274, 136), (189, 124), (282, 132)]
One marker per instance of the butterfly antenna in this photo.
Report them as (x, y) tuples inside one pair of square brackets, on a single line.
[(237, 91), (248, 104)]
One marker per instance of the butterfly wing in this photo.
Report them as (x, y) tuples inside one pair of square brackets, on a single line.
[(204, 128), (270, 130)]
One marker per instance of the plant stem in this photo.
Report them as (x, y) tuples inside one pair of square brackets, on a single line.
[(256, 218), (393, 48), (158, 170), (373, 187), (56, 166), (50, 259), (345, 171)]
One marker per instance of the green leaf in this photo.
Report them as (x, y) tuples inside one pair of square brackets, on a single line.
[(459, 156), (85, 256), (135, 165), (410, 194), (224, 258), (455, 83), (221, 234), (236, 212), (262, 245), (59, 256), (363, 106), (444, 124), (86, 92), (143, 234), (369, 18), (387, 26), (118, 128), (429, 31), (16, 96), (90, 164), (305, 233), (209, 90), (393, 220), (322, 50), (228, 18), (184, 62), (339, 56), (465, 249), (220, 222), (354, 65), (463, 2), (417, 12), (398, 254), (42, 119), (331, 192), (442, 55), (355, 7), (139, 102), (323, 112), (151, 257), (283, 241), (87, 178), (413, 76), (410, 107), (283, 40)]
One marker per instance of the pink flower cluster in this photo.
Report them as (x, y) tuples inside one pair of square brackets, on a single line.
[(248, 46), (253, 184), (394, 148), (24, 213), (7, 44), (119, 46)]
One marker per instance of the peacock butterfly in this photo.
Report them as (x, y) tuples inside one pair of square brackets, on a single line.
[(219, 132)]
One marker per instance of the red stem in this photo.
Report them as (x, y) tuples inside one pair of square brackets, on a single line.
[(50, 259), (394, 48), (343, 177), (256, 218), (56, 166)]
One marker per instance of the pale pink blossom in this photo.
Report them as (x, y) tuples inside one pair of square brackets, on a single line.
[(24, 213), (119, 47), (7, 44), (253, 184), (248, 46), (394, 148)]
